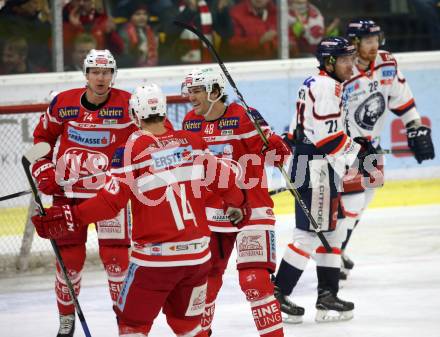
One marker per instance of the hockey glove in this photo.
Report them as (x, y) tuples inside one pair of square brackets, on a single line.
[(239, 216), (420, 142), (367, 156), (58, 222), (282, 150), (289, 139), (44, 172)]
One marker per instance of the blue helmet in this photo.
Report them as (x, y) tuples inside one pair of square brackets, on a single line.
[(361, 28), (333, 47)]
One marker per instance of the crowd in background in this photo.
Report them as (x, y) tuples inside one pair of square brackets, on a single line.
[(141, 33)]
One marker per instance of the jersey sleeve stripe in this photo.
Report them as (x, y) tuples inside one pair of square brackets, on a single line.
[(341, 144), (332, 144), (329, 139), (318, 117), (404, 108)]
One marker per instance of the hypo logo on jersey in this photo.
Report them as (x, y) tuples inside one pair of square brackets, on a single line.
[(228, 123), (172, 157), (192, 125), (368, 113), (89, 138), (111, 112), (68, 112)]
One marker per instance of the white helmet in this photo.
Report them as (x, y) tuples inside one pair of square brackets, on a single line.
[(146, 101), (207, 77), (100, 59)]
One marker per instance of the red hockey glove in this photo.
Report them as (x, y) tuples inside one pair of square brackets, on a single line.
[(58, 222), (282, 150), (44, 172)]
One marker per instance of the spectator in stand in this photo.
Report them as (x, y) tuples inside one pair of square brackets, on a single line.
[(428, 12), (15, 57), (140, 40), (255, 30), (307, 28), (211, 17), (28, 19), (82, 16), (81, 46)]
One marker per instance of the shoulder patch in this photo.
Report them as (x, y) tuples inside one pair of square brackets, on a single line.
[(68, 112), (308, 81), (192, 125)]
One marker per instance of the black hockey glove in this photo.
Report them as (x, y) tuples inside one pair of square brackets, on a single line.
[(367, 156), (420, 142)]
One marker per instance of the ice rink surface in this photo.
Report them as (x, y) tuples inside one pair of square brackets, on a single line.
[(395, 287)]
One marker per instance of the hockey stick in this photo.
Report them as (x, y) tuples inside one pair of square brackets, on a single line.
[(257, 126), (38, 151), (63, 183), (15, 195)]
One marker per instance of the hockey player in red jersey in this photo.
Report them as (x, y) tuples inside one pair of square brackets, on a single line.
[(165, 174), (323, 150), (376, 87), (89, 124), (230, 135)]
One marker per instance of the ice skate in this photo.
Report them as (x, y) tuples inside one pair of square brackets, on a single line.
[(67, 326), (330, 308), (293, 313)]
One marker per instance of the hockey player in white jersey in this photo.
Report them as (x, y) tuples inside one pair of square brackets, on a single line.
[(376, 87), (323, 150)]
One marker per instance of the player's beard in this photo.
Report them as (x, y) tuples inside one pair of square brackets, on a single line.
[(369, 55)]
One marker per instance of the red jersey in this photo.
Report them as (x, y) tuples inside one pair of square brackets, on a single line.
[(166, 179), (234, 137), (86, 139)]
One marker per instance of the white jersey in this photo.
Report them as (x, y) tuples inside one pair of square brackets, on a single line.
[(368, 95), (320, 116)]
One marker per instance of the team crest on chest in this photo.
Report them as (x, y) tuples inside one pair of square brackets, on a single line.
[(369, 112)]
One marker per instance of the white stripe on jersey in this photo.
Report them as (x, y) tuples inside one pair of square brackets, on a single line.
[(98, 125), (212, 139), (168, 177), (80, 195), (130, 168), (258, 213), (195, 246), (52, 119), (177, 263)]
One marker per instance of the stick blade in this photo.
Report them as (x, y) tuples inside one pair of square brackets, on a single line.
[(37, 151)]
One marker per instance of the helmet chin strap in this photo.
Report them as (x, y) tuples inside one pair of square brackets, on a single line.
[(206, 115)]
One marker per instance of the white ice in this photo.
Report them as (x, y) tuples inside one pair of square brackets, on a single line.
[(395, 287)]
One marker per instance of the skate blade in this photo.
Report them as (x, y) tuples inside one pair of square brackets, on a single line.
[(327, 316), (292, 319)]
